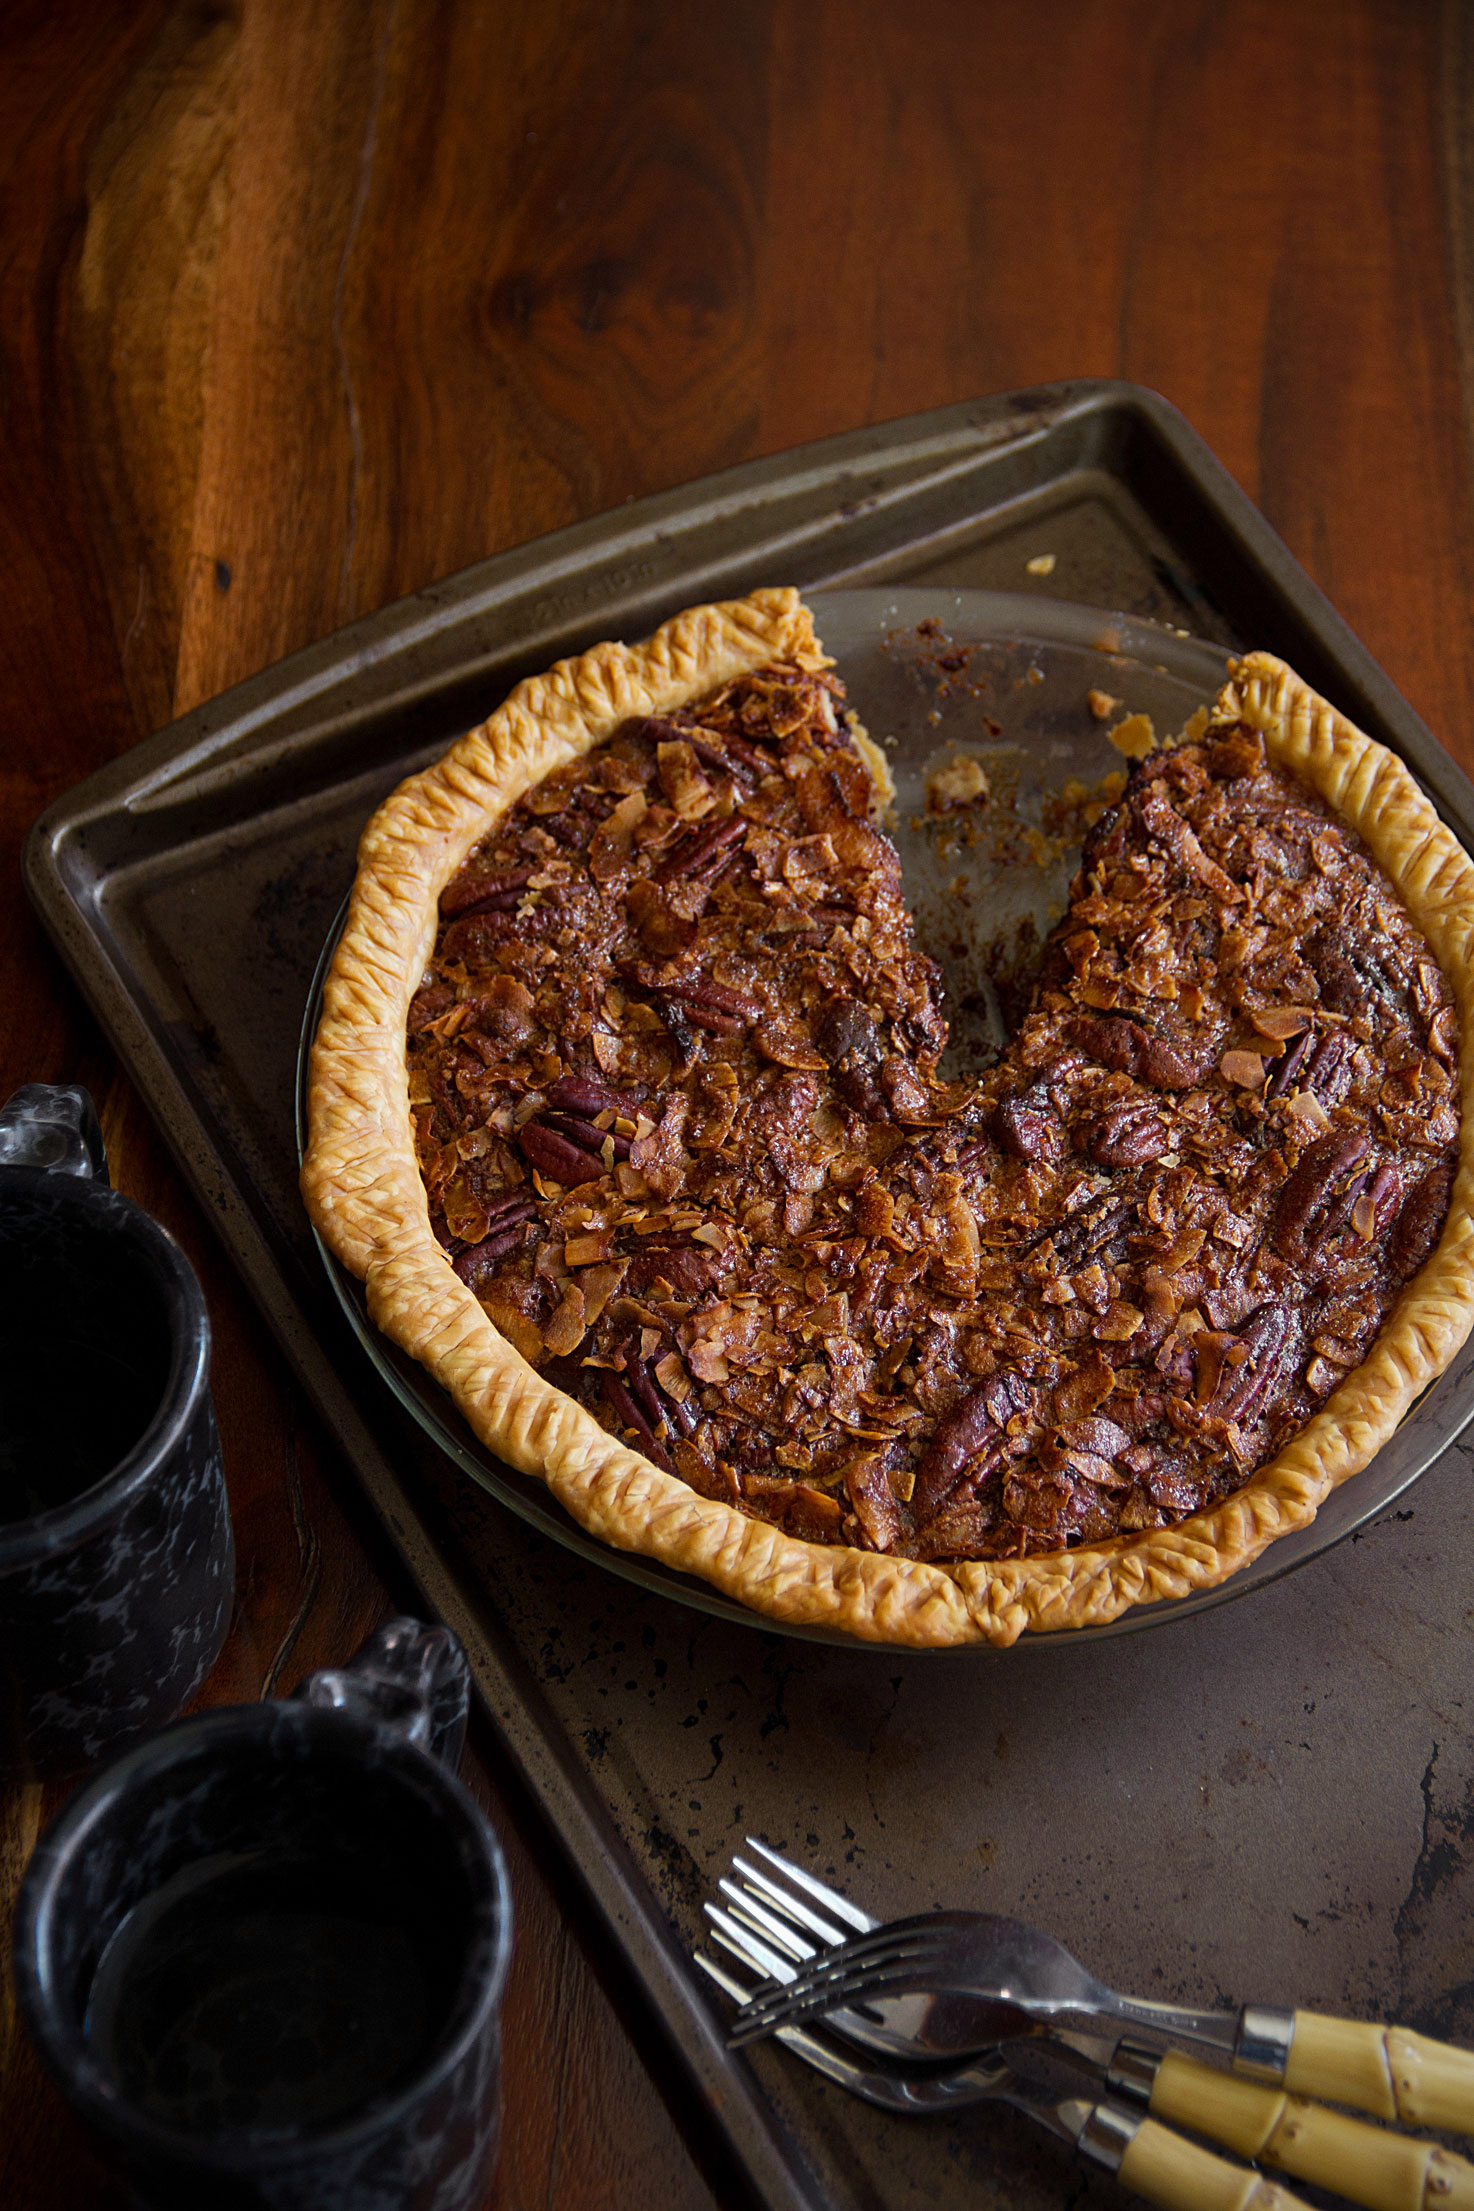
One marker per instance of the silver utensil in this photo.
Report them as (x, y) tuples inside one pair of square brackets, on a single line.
[(975, 1978), (980, 1979), (1144, 2155), (773, 1909)]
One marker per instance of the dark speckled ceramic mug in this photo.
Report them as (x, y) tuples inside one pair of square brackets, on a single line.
[(117, 1568), (263, 1955)]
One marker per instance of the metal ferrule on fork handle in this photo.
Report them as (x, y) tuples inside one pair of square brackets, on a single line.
[(1262, 2048), (1265, 2125), (1168, 2170), (1388, 2071), (1107, 2133)]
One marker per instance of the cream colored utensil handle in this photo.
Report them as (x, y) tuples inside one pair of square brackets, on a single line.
[(1387, 2172), (1386, 2070), (1175, 2173)]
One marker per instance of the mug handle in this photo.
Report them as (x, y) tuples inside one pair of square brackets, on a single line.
[(53, 1125), (409, 1677)]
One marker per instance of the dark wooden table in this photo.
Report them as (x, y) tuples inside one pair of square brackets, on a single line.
[(304, 306)]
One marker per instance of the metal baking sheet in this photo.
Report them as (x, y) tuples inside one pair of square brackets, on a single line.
[(1268, 1800)]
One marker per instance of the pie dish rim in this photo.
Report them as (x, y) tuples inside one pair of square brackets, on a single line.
[(364, 1191)]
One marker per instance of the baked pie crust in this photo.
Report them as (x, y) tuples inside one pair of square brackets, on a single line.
[(363, 1187)]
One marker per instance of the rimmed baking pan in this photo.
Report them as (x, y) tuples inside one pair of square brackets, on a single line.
[(190, 887)]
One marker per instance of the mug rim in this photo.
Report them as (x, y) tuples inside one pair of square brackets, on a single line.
[(64, 2048), (22, 1542)]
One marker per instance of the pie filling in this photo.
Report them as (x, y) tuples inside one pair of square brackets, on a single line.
[(674, 1078)]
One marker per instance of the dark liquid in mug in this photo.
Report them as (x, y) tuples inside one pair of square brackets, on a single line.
[(70, 1411), (260, 1991)]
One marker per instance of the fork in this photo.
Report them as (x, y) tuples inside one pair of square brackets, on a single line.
[(986, 1979), (766, 1927), (1145, 2156)]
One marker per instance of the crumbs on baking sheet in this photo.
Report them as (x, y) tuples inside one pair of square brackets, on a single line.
[(962, 782), (1077, 806)]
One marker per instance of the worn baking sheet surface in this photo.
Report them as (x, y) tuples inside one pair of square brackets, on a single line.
[(1268, 1800)]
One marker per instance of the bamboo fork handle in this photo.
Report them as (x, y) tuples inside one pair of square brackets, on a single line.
[(1387, 2070), (1175, 2173), (1386, 2172)]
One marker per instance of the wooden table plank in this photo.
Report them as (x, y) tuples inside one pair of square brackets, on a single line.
[(302, 308)]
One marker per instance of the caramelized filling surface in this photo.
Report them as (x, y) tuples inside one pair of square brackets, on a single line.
[(673, 1070)]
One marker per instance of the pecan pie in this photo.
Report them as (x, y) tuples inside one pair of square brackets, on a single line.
[(626, 1104)]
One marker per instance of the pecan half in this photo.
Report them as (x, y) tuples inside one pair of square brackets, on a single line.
[(1352, 978), (1315, 1203), (1088, 1231), (585, 1134), (703, 852), (660, 1409), (1027, 1127), (557, 1156), (1418, 1224), (507, 1232), (484, 892), (582, 1094), (687, 1268), (1115, 1040), (1328, 1070), (1266, 1336), (1127, 1134), (849, 1040), (1287, 1066), (729, 756), (633, 1415), (972, 1442)]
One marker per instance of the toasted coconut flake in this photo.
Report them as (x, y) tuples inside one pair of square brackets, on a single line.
[(1120, 1323), (1306, 1108), (1281, 1022), (565, 1331), (587, 1251), (1244, 1068)]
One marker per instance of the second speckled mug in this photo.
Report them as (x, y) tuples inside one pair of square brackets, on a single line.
[(263, 1955)]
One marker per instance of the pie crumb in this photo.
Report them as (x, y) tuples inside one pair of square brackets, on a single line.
[(1135, 737), (961, 783), (1041, 565)]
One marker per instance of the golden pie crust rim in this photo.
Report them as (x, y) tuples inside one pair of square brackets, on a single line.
[(362, 1185)]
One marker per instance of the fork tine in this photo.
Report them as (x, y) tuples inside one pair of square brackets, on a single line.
[(727, 1982), (789, 2007), (745, 1907), (825, 2057), (906, 1939), (754, 1879), (827, 1984), (829, 1900), (750, 1947)]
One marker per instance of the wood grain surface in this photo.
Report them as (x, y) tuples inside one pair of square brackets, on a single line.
[(302, 307)]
